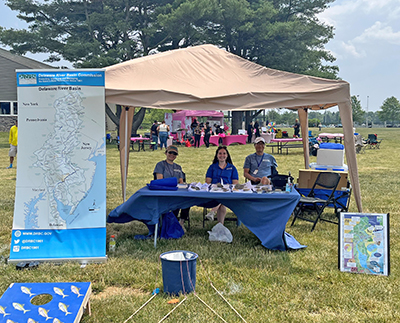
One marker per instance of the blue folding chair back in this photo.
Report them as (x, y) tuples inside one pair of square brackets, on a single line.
[(313, 204)]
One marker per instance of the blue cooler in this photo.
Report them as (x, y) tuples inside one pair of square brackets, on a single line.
[(330, 154)]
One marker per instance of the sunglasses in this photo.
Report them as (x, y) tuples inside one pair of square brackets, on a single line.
[(173, 153)]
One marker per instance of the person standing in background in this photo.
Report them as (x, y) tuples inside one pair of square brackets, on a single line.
[(257, 128), (250, 130), (154, 134), (296, 129), (219, 131), (193, 125), (207, 134), (13, 141), (163, 130), (197, 136)]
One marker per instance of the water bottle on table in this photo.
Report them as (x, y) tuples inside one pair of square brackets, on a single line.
[(289, 185)]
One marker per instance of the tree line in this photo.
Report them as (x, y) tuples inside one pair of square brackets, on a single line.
[(281, 34)]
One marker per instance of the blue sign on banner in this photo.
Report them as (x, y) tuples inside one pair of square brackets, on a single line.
[(56, 244), (63, 77), (60, 200)]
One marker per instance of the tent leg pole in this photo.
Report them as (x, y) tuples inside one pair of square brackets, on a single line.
[(155, 236), (126, 150)]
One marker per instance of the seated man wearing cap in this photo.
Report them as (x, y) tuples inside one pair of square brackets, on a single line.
[(258, 166)]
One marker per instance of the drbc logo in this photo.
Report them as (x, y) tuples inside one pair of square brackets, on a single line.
[(27, 78)]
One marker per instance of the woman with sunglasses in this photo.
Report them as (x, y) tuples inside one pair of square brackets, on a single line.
[(168, 168), (221, 170)]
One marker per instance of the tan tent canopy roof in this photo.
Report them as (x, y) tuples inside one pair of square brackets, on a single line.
[(209, 78)]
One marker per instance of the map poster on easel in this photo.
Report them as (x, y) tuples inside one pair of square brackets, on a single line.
[(364, 243)]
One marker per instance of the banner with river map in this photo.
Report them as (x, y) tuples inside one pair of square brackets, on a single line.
[(60, 199), (364, 243)]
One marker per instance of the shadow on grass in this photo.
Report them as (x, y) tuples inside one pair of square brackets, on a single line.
[(244, 253)]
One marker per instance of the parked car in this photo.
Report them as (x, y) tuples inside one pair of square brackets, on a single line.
[(339, 125)]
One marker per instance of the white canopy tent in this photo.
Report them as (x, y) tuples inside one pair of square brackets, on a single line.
[(208, 78)]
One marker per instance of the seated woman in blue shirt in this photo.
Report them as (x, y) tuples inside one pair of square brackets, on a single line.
[(221, 170)]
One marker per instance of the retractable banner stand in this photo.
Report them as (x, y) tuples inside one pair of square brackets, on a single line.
[(60, 200)]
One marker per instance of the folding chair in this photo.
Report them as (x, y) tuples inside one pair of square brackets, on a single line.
[(342, 201), (373, 141), (359, 143), (310, 203)]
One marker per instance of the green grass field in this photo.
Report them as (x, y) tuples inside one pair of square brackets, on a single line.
[(263, 285)]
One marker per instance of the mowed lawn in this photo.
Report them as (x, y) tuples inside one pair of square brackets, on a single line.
[(262, 285)]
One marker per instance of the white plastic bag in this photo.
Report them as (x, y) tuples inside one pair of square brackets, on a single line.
[(220, 233)]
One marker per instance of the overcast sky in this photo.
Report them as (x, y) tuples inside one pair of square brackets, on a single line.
[(366, 45)]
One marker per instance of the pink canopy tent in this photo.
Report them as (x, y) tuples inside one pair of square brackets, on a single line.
[(208, 78), (185, 118)]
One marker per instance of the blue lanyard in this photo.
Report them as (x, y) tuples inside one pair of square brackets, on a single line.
[(259, 163)]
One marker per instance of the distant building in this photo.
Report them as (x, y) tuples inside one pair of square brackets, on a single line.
[(8, 86)]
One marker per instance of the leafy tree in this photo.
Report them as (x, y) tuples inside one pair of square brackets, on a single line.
[(374, 117), (390, 110), (313, 122), (358, 113), (281, 34), (87, 33), (154, 114), (273, 116), (289, 117)]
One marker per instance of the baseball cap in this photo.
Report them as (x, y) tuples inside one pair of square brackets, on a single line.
[(259, 139), (172, 148)]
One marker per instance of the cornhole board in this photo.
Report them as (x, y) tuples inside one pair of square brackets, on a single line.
[(67, 305)]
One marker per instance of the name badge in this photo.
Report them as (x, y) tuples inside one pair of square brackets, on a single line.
[(255, 172)]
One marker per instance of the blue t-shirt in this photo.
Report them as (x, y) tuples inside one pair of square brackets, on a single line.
[(262, 163), (168, 170), (228, 174)]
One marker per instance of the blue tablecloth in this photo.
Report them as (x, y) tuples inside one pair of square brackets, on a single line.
[(265, 214)]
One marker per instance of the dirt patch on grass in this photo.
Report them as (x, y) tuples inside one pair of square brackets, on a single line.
[(115, 291)]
